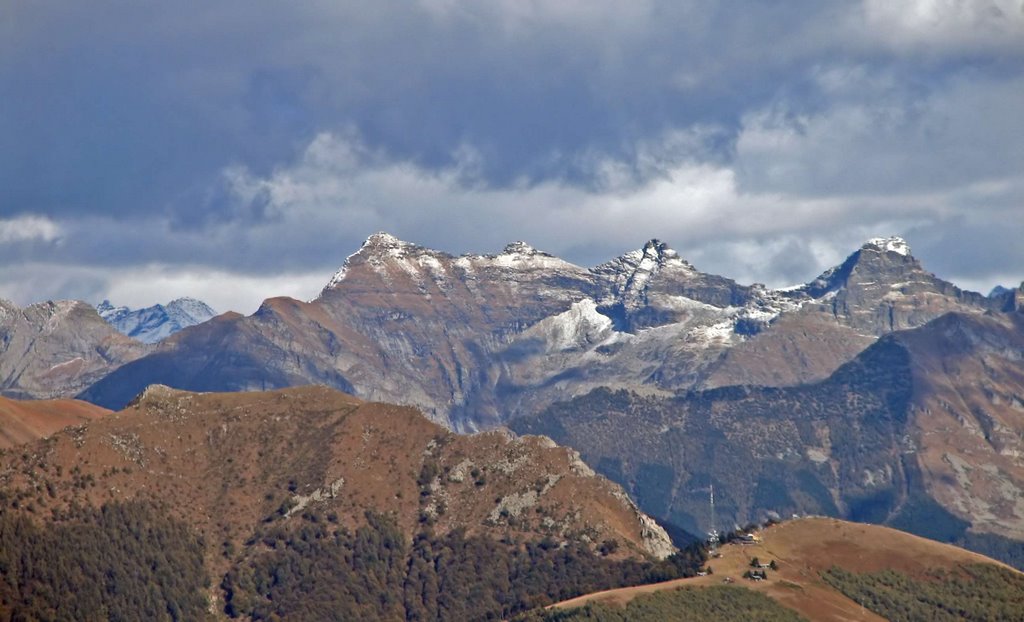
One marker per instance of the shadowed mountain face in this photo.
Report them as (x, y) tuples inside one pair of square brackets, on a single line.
[(56, 349), (477, 339), (921, 431)]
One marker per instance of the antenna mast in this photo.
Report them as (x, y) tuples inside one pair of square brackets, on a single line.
[(713, 534)]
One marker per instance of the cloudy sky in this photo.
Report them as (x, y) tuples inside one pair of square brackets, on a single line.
[(238, 150)]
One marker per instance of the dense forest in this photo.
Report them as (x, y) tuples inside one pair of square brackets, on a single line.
[(121, 562), (128, 561), (713, 604), (321, 572), (980, 592)]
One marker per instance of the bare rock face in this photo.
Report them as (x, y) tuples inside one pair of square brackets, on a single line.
[(477, 339), (967, 416), (882, 288), (56, 349)]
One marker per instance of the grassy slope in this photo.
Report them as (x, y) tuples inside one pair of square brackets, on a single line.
[(804, 549), (22, 421)]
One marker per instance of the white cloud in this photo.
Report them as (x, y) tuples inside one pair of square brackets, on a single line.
[(752, 234), (28, 228), (320, 206), (143, 286), (880, 136), (947, 25), (224, 291)]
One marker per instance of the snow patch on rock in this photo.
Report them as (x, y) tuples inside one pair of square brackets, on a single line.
[(891, 244), (579, 327)]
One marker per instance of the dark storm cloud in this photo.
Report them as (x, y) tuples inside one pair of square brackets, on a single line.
[(260, 140), (118, 109)]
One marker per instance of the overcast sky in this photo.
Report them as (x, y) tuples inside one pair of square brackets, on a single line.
[(237, 150)]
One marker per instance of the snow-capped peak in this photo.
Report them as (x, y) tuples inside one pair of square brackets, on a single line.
[(375, 249), (153, 324), (891, 244), (382, 239), (189, 311), (107, 310), (652, 257)]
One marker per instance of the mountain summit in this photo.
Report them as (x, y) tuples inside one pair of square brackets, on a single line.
[(891, 244)]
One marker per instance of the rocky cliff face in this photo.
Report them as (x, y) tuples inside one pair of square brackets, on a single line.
[(477, 339), (153, 324), (921, 431), (56, 349)]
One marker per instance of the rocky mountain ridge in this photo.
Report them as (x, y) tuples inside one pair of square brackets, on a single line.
[(477, 339), (307, 503)]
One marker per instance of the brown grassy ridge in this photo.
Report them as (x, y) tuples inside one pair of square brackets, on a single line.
[(22, 421), (803, 549), (227, 463)]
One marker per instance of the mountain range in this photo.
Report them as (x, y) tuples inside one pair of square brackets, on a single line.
[(155, 323), (477, 340), (875, 392), (834, 397)]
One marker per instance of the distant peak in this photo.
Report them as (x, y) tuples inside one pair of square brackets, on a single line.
[(379, 250), (891, 244)]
